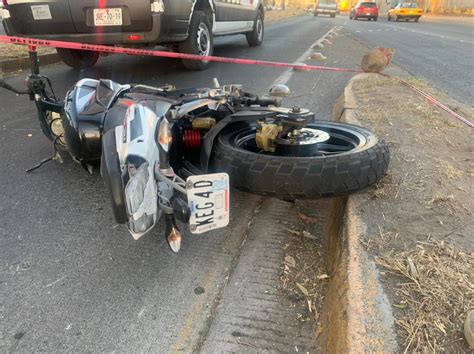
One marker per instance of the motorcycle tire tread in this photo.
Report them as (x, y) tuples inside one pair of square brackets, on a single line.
[(299, 178)]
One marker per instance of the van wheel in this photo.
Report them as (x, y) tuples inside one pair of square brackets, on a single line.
[(255, 38), (199, 41), (78, 59)]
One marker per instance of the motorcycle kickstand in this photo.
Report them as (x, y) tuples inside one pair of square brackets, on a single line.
[(173, 235), (55, 157)]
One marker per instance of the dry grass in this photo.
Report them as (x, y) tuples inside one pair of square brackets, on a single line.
[(278, 15), (435, 291), (458, 107), (426, 194), (9, 51), (449, 171)]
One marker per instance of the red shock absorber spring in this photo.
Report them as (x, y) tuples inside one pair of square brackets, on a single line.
[(192, 138)]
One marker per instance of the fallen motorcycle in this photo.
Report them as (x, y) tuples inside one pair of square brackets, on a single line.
[(173, 151)]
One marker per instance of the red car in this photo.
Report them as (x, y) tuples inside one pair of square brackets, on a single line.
[(368, 10)]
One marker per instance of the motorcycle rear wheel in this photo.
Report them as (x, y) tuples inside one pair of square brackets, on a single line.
[(353, 159)]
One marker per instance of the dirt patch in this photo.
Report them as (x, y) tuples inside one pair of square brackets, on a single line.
[(419, 217), (10, 51)]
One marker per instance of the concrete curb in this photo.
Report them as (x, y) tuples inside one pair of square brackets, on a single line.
[(358, 314), (23, 63)]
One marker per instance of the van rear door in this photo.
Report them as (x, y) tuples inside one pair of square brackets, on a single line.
[(111, 16), (31, 17)]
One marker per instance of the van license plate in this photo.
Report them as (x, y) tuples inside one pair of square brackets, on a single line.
[(208, 200), (41, 12), (108, 17)]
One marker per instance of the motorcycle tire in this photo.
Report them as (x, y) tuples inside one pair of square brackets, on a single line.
[(289, 177)]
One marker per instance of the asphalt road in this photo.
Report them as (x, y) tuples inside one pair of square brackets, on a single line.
[(72, 280), (439, 50)]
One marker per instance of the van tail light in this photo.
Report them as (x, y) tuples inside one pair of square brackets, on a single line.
[(134, 37)]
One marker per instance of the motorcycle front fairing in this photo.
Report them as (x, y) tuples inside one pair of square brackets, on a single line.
[(138, 156)]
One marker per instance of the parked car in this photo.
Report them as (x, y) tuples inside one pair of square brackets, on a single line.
[(405, 11), (184, 26), (325, 8), (368, 10)]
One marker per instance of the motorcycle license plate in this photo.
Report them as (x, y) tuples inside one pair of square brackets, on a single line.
[(108, 17), (208, 200)]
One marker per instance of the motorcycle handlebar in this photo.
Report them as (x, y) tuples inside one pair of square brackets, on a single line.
[(6, 86)]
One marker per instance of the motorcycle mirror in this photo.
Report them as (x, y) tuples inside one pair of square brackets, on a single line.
[(216, 83), (279, 90)]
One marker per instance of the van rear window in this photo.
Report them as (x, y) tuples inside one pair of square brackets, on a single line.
[(368, 4)]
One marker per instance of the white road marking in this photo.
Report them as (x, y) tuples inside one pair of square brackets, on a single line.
[(431, 34), (286, 76)]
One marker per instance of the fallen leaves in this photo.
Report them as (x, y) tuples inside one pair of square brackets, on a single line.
[(303, 289), (290, 261)]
